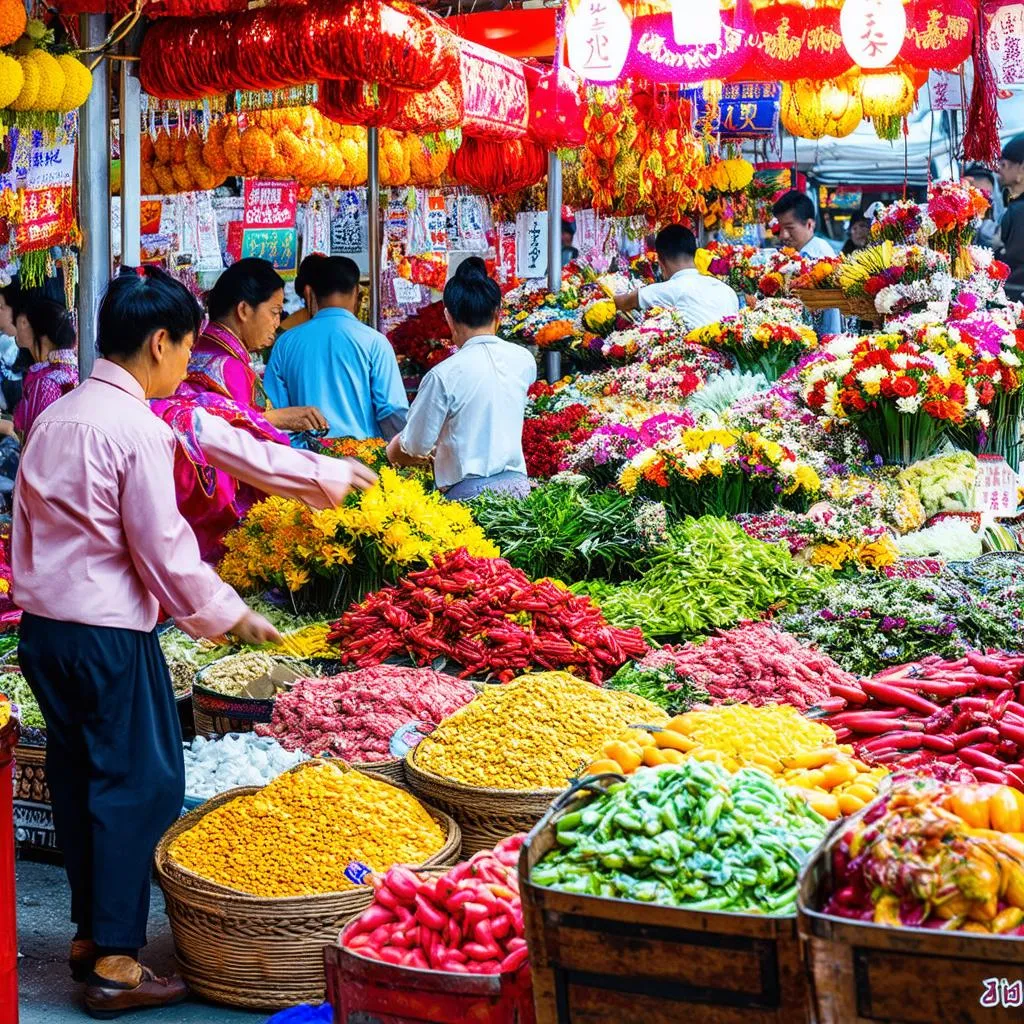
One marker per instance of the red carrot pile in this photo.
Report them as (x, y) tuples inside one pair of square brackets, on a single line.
[(487, 617), (468, 921), (958, 720), (754, 663)]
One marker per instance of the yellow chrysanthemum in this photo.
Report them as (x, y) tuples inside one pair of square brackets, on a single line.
[(51, 80), (27, 95), (77, 82), (12, 80)]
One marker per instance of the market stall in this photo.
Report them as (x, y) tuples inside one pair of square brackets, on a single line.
[(724, 719)]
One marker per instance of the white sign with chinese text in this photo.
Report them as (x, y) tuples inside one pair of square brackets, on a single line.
[(532, 244), (598, 34), (945, 91), (996, 488), (1006, 41), (873, 31), (51, 167)]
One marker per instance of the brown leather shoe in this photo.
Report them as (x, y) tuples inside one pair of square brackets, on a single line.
[(82, 959), (120, 984)]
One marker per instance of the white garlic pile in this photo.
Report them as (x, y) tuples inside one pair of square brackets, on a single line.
[(237, 759)]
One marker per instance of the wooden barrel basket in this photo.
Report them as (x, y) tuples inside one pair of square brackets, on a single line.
[(33, 812), (256, 952), (486, 816)]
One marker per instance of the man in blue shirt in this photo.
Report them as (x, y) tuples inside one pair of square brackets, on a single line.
[(336, 363)]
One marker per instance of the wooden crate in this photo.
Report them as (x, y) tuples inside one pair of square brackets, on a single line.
[(364, 991), (862, 973), (611, 961), (33, 813)]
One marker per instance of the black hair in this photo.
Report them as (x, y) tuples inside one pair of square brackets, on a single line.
[(1013, 151), (50, 319), (306, 270), (250, 280), (471, 297), (798, 204), (858, 218), (980, 171), (334, 275), (674, 243), (137, 303), (570, 226), (13, 296)]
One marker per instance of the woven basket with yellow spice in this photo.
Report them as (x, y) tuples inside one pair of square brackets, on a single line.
[(257, 881), (497, 764)]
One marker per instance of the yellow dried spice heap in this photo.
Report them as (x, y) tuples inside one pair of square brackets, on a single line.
[(533, 733), (296, 836)]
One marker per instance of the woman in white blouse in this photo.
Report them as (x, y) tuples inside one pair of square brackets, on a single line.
[(469, 410)]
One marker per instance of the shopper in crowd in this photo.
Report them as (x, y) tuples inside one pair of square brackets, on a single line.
[(569, 251), (337, 363), (797, 222), (469, 409), (228, 457), (98, 548), (700, 299), (15, 361), (985, 182), (1011, 228), (245, 311), (304, 292), (858, 234), (44, 329)]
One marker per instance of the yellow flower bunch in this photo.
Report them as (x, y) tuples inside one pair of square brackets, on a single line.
[(371, 540), (600, 316), (871, 554)]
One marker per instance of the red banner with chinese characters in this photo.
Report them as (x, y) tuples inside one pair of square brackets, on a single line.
[(47, 218), (494, 95), (269, 204)]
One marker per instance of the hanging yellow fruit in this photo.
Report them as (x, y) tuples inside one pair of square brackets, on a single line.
[(890, 94), (13, 21), (77, 82), (257, 150), (29, 92), (51, 81), (12, 79)]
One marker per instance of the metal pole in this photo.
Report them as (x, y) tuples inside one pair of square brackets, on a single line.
[(553, 360), (130, 138), (373, 221), (93, 197)]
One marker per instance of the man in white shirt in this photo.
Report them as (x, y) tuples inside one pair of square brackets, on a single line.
[(701, 300), (469, 409), (797, 221)]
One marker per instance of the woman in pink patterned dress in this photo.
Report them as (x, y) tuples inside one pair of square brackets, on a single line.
[(43, 327)]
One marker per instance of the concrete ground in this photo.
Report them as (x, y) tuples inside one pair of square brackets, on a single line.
[(47, 993)]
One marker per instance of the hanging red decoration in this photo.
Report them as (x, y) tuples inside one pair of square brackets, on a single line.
[(939, 33), (498, 167), (981, 126), (351, 102), (790, 42), (556, 110), (437, 110), (494, 94)]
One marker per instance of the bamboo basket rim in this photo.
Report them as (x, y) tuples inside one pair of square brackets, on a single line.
[(480, 793), (296, 664), (170, 872)]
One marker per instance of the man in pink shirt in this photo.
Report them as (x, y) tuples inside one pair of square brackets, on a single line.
[(98, 547)]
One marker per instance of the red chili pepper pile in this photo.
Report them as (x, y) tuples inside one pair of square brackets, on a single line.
[(487, 617), (754, 663), (468, 921), (957, 720)]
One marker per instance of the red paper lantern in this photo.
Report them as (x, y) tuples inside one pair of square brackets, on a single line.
[(494, 95), (787, 43), (498, 167), (351, 102), (939, 33), (556, 110)]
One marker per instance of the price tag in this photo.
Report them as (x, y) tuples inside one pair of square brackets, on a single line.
[(406, 292), (357, 872)]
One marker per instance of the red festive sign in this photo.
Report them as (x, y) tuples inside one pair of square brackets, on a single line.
[(269, 204), (494, 96), (46, 218)]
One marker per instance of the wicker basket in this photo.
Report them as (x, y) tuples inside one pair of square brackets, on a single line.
[(835, 298), (392, 770), (256, 952), (486, 816)]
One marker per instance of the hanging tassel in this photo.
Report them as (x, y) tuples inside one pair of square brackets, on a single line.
[(32, 268), (981, 131)]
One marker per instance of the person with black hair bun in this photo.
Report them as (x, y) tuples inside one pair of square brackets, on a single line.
[(304, 292), (469, 409), (44, 329), (245, 307), (98, 547)]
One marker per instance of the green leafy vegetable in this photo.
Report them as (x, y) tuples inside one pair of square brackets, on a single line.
[(662, 686), (710, 574)]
